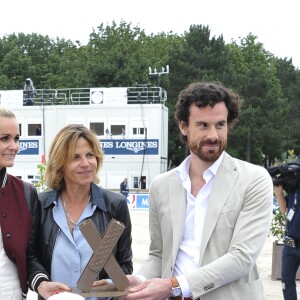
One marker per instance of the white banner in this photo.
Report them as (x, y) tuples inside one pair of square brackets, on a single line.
[(108, 96), (12, 98)]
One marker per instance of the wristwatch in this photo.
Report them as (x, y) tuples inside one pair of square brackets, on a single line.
[(176, 290)]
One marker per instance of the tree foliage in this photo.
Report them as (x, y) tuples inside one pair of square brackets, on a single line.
[(121, 54), (260, 125), (198, 57)]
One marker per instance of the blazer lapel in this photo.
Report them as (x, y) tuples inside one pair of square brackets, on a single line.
[(223, 183), (177, 201)]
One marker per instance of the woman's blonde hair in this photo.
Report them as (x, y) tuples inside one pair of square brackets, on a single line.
[(62, 151), (5, 112)]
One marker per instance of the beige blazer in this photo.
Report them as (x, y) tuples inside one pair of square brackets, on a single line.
[(236, 227)]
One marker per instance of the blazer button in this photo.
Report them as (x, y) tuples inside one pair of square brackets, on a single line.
[(8, 235), (4, 215)]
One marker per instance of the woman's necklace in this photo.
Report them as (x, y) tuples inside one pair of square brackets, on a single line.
[(73, 224)]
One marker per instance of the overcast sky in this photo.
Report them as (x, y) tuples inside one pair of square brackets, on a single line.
[(275, 23)]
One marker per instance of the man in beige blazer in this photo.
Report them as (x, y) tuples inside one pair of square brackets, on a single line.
[(209, 217)]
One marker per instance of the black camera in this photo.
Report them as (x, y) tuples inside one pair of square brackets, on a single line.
[(287, 175)]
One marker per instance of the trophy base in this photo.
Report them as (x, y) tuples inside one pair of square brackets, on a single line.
[(101, 291)]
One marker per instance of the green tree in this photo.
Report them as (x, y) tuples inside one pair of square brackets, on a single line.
[(289, 79), (264, 108), (120, 55), (115, 55), (197, 57), (34, 56)]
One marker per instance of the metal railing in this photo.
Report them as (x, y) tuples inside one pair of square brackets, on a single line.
[(81, 96)]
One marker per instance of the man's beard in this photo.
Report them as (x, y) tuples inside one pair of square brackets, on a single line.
[(207, 155)]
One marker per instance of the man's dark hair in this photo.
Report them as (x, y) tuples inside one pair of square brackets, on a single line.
[(203, 94)]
